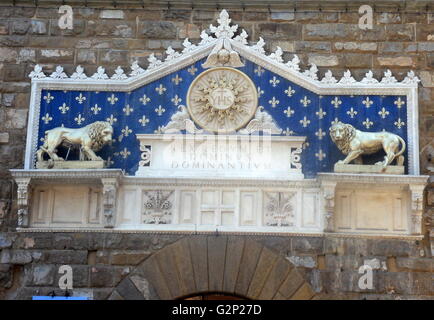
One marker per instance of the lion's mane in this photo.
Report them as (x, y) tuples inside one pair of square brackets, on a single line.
[(343, 144)]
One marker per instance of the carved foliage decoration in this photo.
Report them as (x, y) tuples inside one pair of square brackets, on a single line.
[(279, 209), (157, 208)]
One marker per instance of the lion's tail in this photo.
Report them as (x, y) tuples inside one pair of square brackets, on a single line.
[(403, 147)]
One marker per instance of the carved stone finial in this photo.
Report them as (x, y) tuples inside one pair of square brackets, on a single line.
[(224, 30)]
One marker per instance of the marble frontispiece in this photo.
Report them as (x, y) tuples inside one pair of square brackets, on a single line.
[(223, 135)]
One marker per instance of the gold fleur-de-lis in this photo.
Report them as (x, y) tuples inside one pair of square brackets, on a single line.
[(260, 92), (305, 101), (259, 71), (399, 103), (367, 123), (320, 134), (47, 118), (289, 92), (274, 102), (177, 79), (352, 112), (192, 70), (143, 121), (48, 98), (95, 109), (159, 130), (336, 102), (126, 131), (274, 82), (112, 119), (79, 119), (127, 110), (287, 132), (63, 108), (367, 102), (289, 112), (335, 121), (320, 113), (383, 113), (112, 99), (399, 123), (176, 100), (320, 155), (160, 89), (160, 110), (305, 122), (145, 99), (125, 153), (80, 98)]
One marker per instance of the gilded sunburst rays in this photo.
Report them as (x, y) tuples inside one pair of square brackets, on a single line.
[(222, 100)]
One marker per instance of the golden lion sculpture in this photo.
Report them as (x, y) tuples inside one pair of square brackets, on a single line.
[(354, 143), (89, 139)]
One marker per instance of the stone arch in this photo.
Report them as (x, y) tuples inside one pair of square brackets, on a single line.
[(214, 264)]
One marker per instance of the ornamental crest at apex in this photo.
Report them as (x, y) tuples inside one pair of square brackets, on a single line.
[(222, 99)]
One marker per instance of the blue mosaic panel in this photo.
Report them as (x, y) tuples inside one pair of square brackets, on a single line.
[(298, 111)]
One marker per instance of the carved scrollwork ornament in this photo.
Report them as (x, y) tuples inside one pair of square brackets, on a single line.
[(222, 100)]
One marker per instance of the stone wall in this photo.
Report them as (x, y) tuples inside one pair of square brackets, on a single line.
[(146, 266), (29, 262)]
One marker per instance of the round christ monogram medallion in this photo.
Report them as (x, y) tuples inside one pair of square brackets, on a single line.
[(222, 100)]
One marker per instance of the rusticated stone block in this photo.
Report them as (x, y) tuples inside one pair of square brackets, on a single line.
[(199, 258), (38, 27), (400, 32), (312, 46), (6, 276), (388, 17), (118, 29), (177, 15), (324, 60), (105, 276), (157, 29), (308, 244), (303, 261), (56, 56), (216, 261), (20, 26), (265, 264), (15, 256), (4, 27), (292, 282), (127, 290), (42, 275), (401, 61), (66, 256), (181, 252), (389, 248), (14, 72), (283, 31), (275, 279), (426, 265), (332, 31), (234, 252), (128, 257), (279, 16), (249, 260), (117, 57), (335, 262), (305, 292), (151, 271), (255, 16), (8, 55), (167, 266), (111, 14), (424, 32)]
